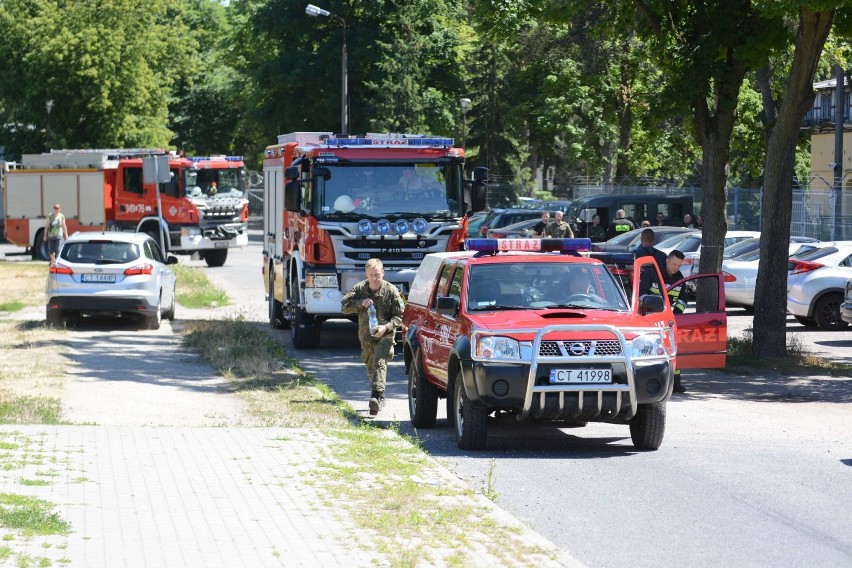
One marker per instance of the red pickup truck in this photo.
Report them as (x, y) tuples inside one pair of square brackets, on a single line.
[(538, 329)]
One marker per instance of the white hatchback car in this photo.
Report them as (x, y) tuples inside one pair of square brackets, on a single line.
[(111, 273), (816, 283), (690, 246)]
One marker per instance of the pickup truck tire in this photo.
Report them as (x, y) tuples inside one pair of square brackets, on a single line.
[(422, 399), (648, 426), (304, 329), (215, 257), (827, 313), (471, 422)]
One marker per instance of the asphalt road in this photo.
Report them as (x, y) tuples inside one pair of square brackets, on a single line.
[(754, 470)]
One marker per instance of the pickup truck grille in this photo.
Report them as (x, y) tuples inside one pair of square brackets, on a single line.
[(591, 348)]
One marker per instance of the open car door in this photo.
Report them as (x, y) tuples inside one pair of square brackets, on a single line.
[(702, 329)]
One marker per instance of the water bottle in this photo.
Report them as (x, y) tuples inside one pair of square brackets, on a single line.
[(374, 320)]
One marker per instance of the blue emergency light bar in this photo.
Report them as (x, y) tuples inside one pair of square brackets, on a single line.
[(390, 142), (528, 245), (207, 158)]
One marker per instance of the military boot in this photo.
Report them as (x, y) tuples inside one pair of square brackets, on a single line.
[(374, 402)]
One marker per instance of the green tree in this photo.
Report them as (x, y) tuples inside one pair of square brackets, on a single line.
[(107, 67)]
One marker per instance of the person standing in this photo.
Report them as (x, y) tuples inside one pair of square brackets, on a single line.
[(687, 221), (540, 227), (559, 229), (55, 231), (377, 342), (650, 284), (661, 219), (619, 225), (647, 239), (596, 231)]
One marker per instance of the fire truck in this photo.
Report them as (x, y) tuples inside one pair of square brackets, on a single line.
[(333, 202), (204, 208)]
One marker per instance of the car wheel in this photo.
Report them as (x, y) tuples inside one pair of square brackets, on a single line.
[(304, 328), (471, 422), (827, 313), (153, 321), (648, 426), (169, 313), (276, 309), (54, 318), (806, 321), (422, 399), (216, 257)]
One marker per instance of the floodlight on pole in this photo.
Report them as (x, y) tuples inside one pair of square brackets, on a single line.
[(316, 11)]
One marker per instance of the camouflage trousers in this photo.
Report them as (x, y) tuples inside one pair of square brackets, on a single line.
[(376, 355)]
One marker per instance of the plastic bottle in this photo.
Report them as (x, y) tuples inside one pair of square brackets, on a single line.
[(374, 320)]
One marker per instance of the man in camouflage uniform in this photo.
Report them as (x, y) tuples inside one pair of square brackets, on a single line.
[(558, 228), (377, 343)]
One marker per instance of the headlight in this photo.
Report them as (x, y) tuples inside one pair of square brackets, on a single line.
[(190, 231), (496, 347), (648, 346), (320, 280)]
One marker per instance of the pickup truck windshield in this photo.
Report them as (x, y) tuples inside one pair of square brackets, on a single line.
[(543, 285), (401, 189)]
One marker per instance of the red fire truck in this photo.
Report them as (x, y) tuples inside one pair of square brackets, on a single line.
[(205, 210), (333, 202)]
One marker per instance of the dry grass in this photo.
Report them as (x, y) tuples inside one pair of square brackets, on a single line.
[(22, 284), (741, 354), (31, 376)]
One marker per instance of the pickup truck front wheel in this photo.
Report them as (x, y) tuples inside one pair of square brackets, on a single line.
[(422, 399), (648, 426), (471, 422)]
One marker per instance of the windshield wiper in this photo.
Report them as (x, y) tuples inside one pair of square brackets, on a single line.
[(498, 307)]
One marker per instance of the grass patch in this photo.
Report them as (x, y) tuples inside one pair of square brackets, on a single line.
[(22, 285), (194, 289), (35, 482), (258, 368), (30, 515), (741, 354)]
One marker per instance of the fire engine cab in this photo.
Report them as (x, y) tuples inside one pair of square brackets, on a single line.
[(204, 208), (537, 329), (333, 202)]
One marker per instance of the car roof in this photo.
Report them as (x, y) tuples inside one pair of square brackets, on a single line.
[(115, 236)]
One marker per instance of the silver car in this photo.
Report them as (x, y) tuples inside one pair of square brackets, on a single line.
[(816, 283), (111, 273)]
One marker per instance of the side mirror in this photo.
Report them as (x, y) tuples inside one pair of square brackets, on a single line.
[(447, 306), (172, 259), (651, 304), (479, 190), (292, 172), (292, 195), (321, 172)]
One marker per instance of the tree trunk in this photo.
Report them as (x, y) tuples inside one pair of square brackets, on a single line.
[(770, 315), (625, 137)]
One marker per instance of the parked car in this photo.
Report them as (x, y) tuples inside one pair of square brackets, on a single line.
[(690, 246), (629, 241), (111, 273), (741, 272), (501, 217), (474, 222), (816, 284), (748, 245), (520, 230)]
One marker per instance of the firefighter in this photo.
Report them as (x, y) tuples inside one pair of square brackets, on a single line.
[(649, 283), (376, 342)]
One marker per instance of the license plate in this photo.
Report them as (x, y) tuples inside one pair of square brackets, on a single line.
[(103, 278), (220, 244), (580, 376)]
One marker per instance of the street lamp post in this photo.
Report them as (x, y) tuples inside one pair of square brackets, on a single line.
[(465, 104), (315, 11), (49, 107)]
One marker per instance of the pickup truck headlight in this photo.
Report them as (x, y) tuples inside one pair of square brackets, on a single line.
[(496, 347), (648, 346)]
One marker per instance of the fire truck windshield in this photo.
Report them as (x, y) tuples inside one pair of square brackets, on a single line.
[(427, 190), (212, 182)]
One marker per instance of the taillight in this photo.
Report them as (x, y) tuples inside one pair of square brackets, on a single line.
[(802, 266), (139, 269), (497, 235), (57, 268), (729, 277)]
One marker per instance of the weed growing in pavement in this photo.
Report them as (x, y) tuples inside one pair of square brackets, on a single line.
[(30, 515), (194, 289), (741, 354), (490, 475)]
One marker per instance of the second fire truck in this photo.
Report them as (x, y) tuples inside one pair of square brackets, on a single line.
[(204, 208), (331, 203)]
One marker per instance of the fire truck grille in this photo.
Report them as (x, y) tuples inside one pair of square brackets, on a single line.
[(601, 348), (386, 255), (386, 245)]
